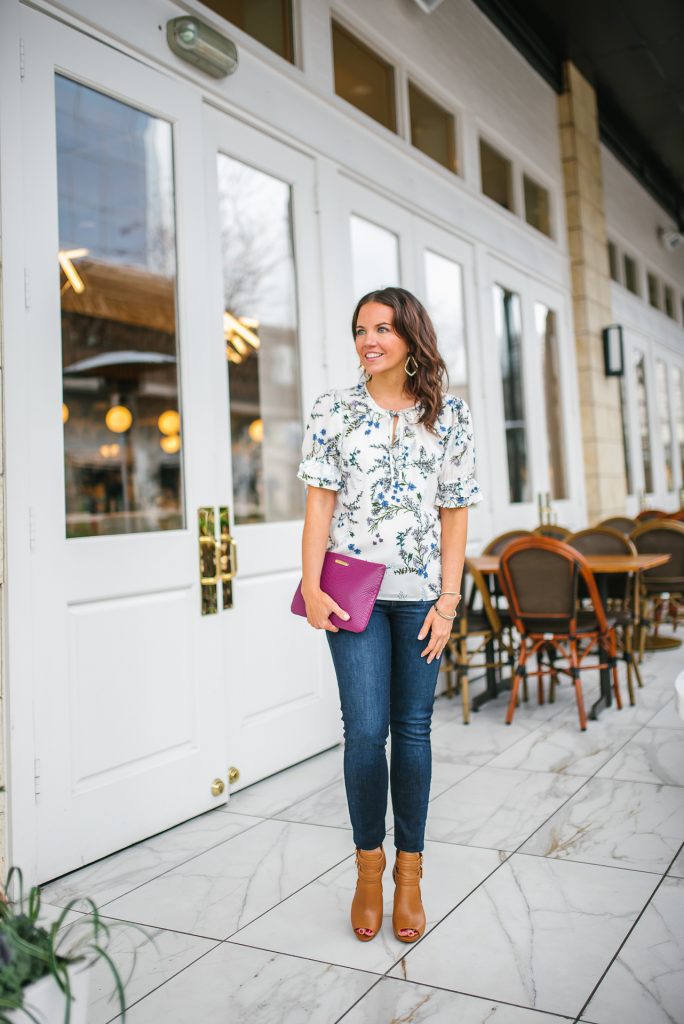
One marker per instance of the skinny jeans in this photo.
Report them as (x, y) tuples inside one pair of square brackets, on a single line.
[(386, 688)]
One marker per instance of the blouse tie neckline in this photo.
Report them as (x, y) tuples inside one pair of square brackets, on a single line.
[(404, 416)]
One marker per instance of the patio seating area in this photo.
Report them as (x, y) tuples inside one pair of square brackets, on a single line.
[(554, 883)]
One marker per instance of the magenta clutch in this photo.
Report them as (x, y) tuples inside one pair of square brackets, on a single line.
[(353, 583)]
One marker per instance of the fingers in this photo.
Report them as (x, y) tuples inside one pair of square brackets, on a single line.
[(425, 628), (340, 612)]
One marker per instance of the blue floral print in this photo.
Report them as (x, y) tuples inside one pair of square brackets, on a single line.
[(389, 488)]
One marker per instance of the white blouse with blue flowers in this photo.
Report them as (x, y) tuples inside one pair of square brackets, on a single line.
[(389, 490)]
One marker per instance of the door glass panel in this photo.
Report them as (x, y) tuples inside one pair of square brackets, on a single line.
[(260, 325), (444, 303), (642, 406), (508, 328), (375, 256), (117, 267), (665, 421), (678, 386), (626, 436), (545, 324)]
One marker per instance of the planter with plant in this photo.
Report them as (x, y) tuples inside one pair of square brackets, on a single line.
[(44, 969)]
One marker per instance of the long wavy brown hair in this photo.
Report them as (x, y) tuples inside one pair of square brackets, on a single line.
[(412, 323)]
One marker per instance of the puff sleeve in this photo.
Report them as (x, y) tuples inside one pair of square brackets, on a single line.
[(457, 486), (320, 465)]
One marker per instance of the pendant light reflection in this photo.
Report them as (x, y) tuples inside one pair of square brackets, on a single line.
[(73, 278), (256, 431), (118, 419), (170, 443), (109, 451), (169, 422), (240, 336), (65, 412)]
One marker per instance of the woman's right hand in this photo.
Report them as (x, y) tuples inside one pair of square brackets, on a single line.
[(319, 607)]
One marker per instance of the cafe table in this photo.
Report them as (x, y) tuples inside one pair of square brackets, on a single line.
[(601, 566)]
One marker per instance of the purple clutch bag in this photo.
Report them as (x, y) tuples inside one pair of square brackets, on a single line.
[(353, 583)]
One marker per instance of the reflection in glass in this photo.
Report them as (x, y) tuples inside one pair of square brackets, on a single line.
[(678, 386), (260, 327), (665, 422), (631, 280), (508, 329), (269, 21), (432, 128), (444, 303), (537, 209), (626, 435), (362, 78), (545, 324), (117, 265), (496, 176), (642, 407), (375, 257)]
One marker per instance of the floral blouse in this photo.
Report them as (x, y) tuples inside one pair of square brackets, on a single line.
[(388, 491)]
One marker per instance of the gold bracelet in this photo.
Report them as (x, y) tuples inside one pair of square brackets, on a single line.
[(442, 615)]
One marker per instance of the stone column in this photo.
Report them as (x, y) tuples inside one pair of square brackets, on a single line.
[(599, 395)]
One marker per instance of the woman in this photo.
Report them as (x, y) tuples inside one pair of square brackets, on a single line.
[(389, 466)]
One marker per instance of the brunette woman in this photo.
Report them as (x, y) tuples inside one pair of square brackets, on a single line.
[(389, 466)]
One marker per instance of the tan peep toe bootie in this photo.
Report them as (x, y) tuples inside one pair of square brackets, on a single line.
[(366, 909), (408, 914)]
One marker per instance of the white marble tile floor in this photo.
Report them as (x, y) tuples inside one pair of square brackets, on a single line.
[(553, 884)]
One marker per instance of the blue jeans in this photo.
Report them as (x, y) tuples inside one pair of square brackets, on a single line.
[(386, 686)]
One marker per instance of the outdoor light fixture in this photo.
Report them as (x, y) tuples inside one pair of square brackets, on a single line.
[(428, 5), (200, 44), (613, 351)]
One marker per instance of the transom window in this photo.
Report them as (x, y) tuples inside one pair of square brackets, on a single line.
[(537, 208), (432, 128), (363, 78), (495, 171), (268, 21), (631, 279)]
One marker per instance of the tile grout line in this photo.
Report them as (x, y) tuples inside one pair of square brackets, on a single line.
[(629, 932)]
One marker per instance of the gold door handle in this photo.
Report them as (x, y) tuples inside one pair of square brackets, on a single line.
[(227, 557), (208, 561)]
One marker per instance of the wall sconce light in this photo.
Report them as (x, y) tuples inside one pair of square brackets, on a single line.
[(613, 351), (200, 44)]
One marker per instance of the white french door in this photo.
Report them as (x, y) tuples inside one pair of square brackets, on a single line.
[(116, 407), (531, 391), (266, 315)]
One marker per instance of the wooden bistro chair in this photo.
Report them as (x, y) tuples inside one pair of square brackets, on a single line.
[(622, 523), (505, 640), (481, 625), (551, 530), (495, 547), (651, 513), (541, 577), (621, 590), (662, 588)]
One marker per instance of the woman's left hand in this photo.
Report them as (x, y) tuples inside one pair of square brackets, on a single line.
[(439, 630)]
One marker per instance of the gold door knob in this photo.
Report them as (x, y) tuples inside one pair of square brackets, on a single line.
[(233, 774), (217, 787)]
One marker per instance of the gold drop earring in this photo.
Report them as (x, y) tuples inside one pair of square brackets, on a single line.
[(411, 373), (364, 373)]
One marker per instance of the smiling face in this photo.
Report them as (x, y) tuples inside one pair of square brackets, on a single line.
[(380, 349)]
